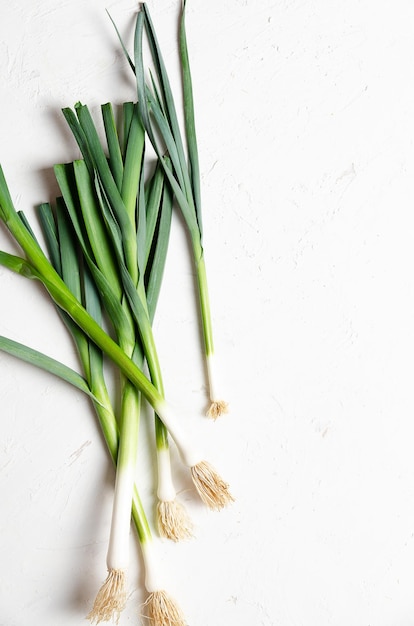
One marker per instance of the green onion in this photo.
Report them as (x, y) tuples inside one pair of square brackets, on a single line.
[(159, 117)]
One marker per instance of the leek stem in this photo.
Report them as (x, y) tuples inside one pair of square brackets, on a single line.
[(204, 305), (110, 431)]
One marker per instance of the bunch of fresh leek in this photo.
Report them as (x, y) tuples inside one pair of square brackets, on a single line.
[(107, 241)]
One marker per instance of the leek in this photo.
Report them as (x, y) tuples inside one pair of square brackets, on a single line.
[(159, 117)]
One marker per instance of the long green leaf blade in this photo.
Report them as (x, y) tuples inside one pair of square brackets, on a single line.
[(79, 136), (49, 229), (159, 252), (69, 259), (50, 232), (166, 92), (99, 158), (95, 227), (133, 164), (128, 112), (153, 195), (111, 299), (18, 265), (122, 43), (114, 148), (24, 353), (189, 119)]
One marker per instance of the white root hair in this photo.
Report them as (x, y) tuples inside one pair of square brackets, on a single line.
[(212, 489), (217, 409), (111, 598), (162, 610), (173, 521)]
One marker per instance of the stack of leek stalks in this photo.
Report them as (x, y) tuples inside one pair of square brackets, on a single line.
[(107, 239)]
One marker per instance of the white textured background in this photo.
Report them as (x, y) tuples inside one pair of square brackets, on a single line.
[(305, 114)]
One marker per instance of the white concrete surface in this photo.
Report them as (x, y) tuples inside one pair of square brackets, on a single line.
[(305, 114)]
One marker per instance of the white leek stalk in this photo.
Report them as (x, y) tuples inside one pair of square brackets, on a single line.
[(111, 598)]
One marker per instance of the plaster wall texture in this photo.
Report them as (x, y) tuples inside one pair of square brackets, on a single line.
[(306, 137)]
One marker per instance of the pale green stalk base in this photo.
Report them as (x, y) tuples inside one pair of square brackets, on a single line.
[(109, 427), (218, 406)]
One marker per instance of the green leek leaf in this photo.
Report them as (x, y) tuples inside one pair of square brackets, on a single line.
[(46, 363)]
